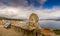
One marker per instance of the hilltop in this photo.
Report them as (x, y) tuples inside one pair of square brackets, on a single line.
[(10, 19)]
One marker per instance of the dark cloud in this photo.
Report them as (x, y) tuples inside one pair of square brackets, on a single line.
[(24, 3), (14, 2), (0, 0)]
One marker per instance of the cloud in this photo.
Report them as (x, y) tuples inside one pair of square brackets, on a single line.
[(24, 11), (19, 2), (42, 1), (22, 3), (14, 3), (21, 12)]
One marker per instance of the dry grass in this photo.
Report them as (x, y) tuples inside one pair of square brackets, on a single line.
[(8, 32)]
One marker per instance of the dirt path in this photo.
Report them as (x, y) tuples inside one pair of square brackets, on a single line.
[(9, 32)]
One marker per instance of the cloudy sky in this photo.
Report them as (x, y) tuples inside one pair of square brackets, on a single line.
[(45, 9)]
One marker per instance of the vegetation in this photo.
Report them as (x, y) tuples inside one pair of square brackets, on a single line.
[(57, 32), (10, 19)]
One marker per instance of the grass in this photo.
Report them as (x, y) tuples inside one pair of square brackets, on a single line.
[(57, 32)]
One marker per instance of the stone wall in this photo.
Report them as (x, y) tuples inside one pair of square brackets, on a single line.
[(2, 22)]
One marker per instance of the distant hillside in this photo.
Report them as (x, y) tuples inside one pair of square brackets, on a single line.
[(51, 19), (10, 19)]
